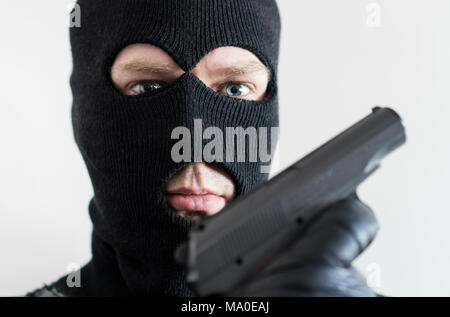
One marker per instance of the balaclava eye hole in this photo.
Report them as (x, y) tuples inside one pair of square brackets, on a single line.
[(139, 55)]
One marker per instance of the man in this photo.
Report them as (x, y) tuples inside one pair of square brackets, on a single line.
[(143, 68)]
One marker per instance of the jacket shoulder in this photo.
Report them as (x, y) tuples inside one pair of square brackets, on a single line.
[(56, 289), (46, 291)]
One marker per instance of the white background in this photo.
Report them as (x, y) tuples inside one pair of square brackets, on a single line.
[(335, 65)]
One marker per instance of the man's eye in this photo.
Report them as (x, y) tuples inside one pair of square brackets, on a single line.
[(146, 87), (236, 90)]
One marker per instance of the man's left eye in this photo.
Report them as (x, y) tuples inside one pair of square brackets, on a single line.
[(236, 90)]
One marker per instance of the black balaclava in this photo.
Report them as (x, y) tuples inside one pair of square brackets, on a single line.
[(126, 140)]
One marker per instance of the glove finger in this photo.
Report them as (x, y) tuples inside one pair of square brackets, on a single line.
[(342, 232), (309, 281)]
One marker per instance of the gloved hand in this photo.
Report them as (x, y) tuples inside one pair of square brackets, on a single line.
[(320, 262)]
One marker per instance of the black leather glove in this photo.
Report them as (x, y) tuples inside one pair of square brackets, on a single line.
[(320, 262)]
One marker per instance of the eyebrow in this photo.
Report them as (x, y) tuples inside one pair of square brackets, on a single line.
[(144, 67), (249, 68), (141, 66)]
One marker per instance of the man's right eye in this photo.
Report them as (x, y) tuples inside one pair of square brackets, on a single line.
[(145, 87)]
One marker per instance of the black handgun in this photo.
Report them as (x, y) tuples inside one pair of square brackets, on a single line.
[(226, 249)]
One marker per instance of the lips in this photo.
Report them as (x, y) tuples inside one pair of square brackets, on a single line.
[(190, 199)]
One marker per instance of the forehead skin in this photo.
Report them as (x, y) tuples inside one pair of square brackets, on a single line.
[(138, 60), (229, 62), (143, 59)]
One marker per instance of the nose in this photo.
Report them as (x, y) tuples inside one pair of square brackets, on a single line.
[(192, 176)]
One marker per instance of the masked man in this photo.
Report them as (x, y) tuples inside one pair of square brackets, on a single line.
[(142, 69)]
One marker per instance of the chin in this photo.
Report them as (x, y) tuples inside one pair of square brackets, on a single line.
[(192, 214)]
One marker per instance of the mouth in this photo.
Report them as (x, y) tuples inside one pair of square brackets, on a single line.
[(195, 203)]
